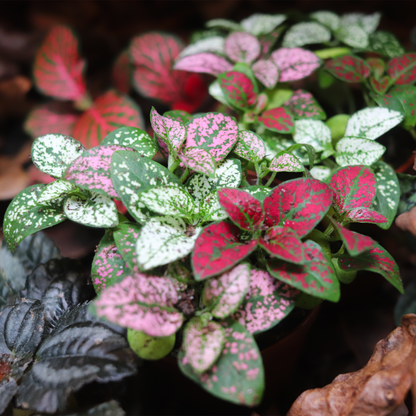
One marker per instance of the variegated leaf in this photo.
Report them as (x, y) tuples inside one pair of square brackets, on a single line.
[(198, 160), (96, 211), (237, 89), (242, 47), (125, 236), (306, 33), (377, 66), (168, 200), (353, 35), (216, 92), (371, 123), (214, 132), (55, 190), (163, 240), (178, 115), (250, 146), (329, 19), (203, 342), (25, 215), (179, 274), (299, 204), (238, 374), (210, 209), (217, 249), (376, 260), (295, 63), (316, 277), (368, 22), (133, 138), (204, 62), (214, 44), (302, 104), (262, 24), (402, 69), (348, 68), (380, 86), (385, 43), (143, 303), (267, 302), (266, 71), (243, 209), (313, 132), (225, 293), (362, 214), (53, 153), (351, 151), (285, 162), (223, 24), (321, 172), (259, 192), (304, 152), (277, 119)]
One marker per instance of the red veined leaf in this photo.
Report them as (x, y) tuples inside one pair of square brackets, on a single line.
[(348, 68), (284, 244), (402, 69), (243, 209), (376, 260), (109, 112), (242, 47), (362, 214), (121, 72), (299, 204), (377, 66), (217, 249), (277, 119), (266, 71), (198, 160), (302, 104), (354, 187), (237, 89), (295, 63), (316, 277), (380, 86), (53, 117), (204, 62), (58, 68), (214, 132), (355, 243)]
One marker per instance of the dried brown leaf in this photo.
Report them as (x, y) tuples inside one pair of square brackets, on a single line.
[(407, 221)]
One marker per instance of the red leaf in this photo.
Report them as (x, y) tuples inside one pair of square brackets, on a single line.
[(354, 187), (362, 214), (238, 89), (109, 112), (402, 69), (284, 244), (348, 68), (53, 117), (242, 208), (217, 249), (277, 119), (58, 69), (122, 72), (298, 204), (193, 95)]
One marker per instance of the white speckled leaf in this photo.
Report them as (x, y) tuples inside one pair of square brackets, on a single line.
[(242, 47), (276, 144), (53, 153), (223, 24), (210, 208), (368, 22), (56, 189), (286, 162), (216, 92), (313, 132), (306, 33), (250, 146), (199, 160), (321, 172), (25, 215), (203, 342), (261, 24), (353, 35), (163, 240), (226, 292), (351, 151), (266, 71), (329, 19), (169, 200), (96, 211), (213, 44), (371, 123)]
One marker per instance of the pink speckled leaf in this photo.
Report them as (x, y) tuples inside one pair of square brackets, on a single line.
[(225, 293), (172, 132), (250, 146), (237, 89), (354, 243), (363, 214), (353, 187), (92, 170), (380, 86), (217, 249), (402, 69), (299, 204), (302, 104), (295, 63), (267, 302), (242, 47), (286, 162), (143, 303), (125, 236), (348, 68), (243, 209), (198, 160), (277, 119), (203, 342), (284, 244), (58, 69), (204, 62), (214, 132), (266, 71), (238, 374), (376, 260), (121, 72), (109, 112), (316, 277)]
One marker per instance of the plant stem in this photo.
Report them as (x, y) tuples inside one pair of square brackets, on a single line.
[(329, 230), (174, 165), (269, 182), (184, 175), (412, 132), (256, 166)]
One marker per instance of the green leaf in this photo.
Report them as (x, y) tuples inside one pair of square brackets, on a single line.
[(385, 44), (250, 146), (223, 24), (407, 185), (306, 33), (329, 19), (337, 124), (353, 35), (313, 132), (125, 237), (25, 215), (350, 151)]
